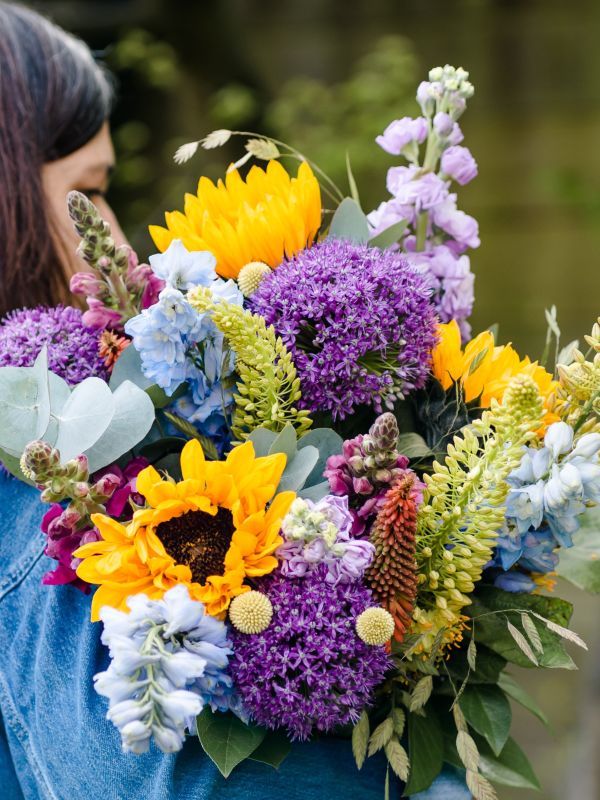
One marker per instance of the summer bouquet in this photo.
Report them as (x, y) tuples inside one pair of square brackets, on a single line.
[(307, 500)]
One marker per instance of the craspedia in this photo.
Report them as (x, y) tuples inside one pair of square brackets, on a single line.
[(375, 626), (251, 612), (358, 322), (251, 276)]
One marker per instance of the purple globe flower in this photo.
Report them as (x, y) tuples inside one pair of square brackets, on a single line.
[(308, 670), (72, 347), (357, 320)]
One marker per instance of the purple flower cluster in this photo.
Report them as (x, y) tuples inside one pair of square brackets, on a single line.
[(438, 233), (67, 531), (72, 347), (358, 322), (308, 670)]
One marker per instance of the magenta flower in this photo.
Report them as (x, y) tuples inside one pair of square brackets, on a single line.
[(100, 316)]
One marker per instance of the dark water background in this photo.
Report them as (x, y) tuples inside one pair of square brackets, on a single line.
[(325, 75)]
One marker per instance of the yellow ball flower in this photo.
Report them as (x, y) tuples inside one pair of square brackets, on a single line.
[(251, 612), (251, 276), (375, 626), (267, 217)]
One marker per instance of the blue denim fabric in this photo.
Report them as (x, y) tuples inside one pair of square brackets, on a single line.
[(55, 742)]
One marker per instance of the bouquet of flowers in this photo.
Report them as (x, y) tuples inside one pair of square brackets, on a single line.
[(306, 499)]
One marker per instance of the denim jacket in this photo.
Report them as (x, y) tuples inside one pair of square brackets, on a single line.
[(55, 741)]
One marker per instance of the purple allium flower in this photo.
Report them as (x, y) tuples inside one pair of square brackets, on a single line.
[(358, 322), (72, 347), (402, 132), (308, 670), (459, 164)]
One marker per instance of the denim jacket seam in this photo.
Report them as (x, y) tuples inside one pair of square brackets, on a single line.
[(22, 568), (15, 723)]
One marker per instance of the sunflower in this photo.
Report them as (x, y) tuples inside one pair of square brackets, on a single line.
[(210, 531), (265, 218), (485, 370)]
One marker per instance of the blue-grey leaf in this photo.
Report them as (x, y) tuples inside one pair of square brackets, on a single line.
[(316, 492), (24, 405), (298, 469), (390, 235), (262, 439), (349, 222), (328, 443), (129, 368), (84, 417), (285, 442)]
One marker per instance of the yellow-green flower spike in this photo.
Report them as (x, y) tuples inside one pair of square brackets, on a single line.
[(251, 612), (375, 626), (251, 275)]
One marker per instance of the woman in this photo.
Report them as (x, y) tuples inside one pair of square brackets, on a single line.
[(54, 739)]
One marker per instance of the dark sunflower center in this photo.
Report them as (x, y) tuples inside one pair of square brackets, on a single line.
[(198, 540)]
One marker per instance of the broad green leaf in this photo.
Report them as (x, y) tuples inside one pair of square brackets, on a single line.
[(328, 443), (133, 418), (510, 768), (413, 446), (580, 564), (508, 684), (297, 469), (226, 739), (349, 222), (24, 404), (487, 711), (425, 751), (489, 665), (285, 442), (389, 236), (84, 417), (273, 750), (262, 439)]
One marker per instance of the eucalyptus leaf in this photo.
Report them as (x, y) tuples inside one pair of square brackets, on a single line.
[(226, 739), (316, 492), (285, 442), (298, 469), (487, 710), (24, 404), (132, 419), (390, 235), (129, 368), (328, 443), (349, 222), (84, 417), (262, 439)]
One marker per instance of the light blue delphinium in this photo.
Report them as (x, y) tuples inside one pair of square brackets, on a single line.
[(182, 269), (168, 660)]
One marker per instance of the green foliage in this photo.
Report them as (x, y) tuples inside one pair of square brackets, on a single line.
[(488, 669), (349, 222), (129, 368), (226, 739), (510, 768), (425, 750), (268, 389), (519, 695), (273, 750), (186, 427), (580, 564), (487, 711), (90, 419)]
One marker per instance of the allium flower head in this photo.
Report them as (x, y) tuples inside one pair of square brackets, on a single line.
[(265, 218), (168, 660), (72, 347), (357, 320), (309, 670)]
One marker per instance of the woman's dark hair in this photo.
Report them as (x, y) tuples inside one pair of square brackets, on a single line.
[(53, 99)]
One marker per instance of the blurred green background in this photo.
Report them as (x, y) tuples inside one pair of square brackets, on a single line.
[(328, 75)]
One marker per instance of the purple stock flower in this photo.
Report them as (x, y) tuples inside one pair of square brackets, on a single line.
[(357, 321), (402, 132), (460, 226), (410, 190), (459, 164), (72, 347), (308, 670)]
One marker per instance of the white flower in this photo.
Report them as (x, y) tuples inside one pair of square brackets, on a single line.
[(182, 269), (559, 439)]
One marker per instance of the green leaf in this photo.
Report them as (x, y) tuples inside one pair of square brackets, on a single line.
[(13, 465), (508, 684), (133, 418), (488, 667), (351, 181), (129, 368), (349, 222), (413, 446), (510, 768), (226, 739), (262, 439), (397, 759), (328, 443), (285, 442), (522, 643), (389, 236), (487, 710), (425, 751), (580, 564), (381, 735), (273, 750), (492, 629), (24, 404), (360, 739), (421, 693)]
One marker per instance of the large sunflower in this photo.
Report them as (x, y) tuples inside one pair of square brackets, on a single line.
[(265, 218), (485, 370), (210, 531)]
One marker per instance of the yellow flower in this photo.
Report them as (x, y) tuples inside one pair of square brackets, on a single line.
[(265, 218), (485, 370), (210, 532)]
